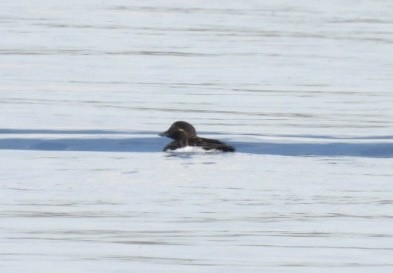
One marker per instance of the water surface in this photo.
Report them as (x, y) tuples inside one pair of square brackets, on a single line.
[(302, 90)]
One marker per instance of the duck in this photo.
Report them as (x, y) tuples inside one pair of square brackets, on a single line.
[(184, 134)]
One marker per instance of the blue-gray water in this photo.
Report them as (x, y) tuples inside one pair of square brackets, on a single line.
[(302, 89)]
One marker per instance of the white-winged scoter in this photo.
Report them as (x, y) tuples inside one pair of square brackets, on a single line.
[(184, 134)]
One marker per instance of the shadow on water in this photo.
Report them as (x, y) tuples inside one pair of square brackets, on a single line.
[(369, 149), (143, 141), (68, 132)]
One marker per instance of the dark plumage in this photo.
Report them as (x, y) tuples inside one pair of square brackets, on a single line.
[(184, 134)]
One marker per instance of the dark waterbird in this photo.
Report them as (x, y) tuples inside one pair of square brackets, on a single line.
[(184, 134)]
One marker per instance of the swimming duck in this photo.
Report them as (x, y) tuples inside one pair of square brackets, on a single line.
[(184, 134)]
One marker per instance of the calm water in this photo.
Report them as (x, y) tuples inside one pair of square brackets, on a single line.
[(303, 90)]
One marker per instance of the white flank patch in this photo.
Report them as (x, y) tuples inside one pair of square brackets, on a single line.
[(193, 149)]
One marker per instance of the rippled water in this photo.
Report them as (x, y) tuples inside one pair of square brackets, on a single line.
[(302, 90)]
